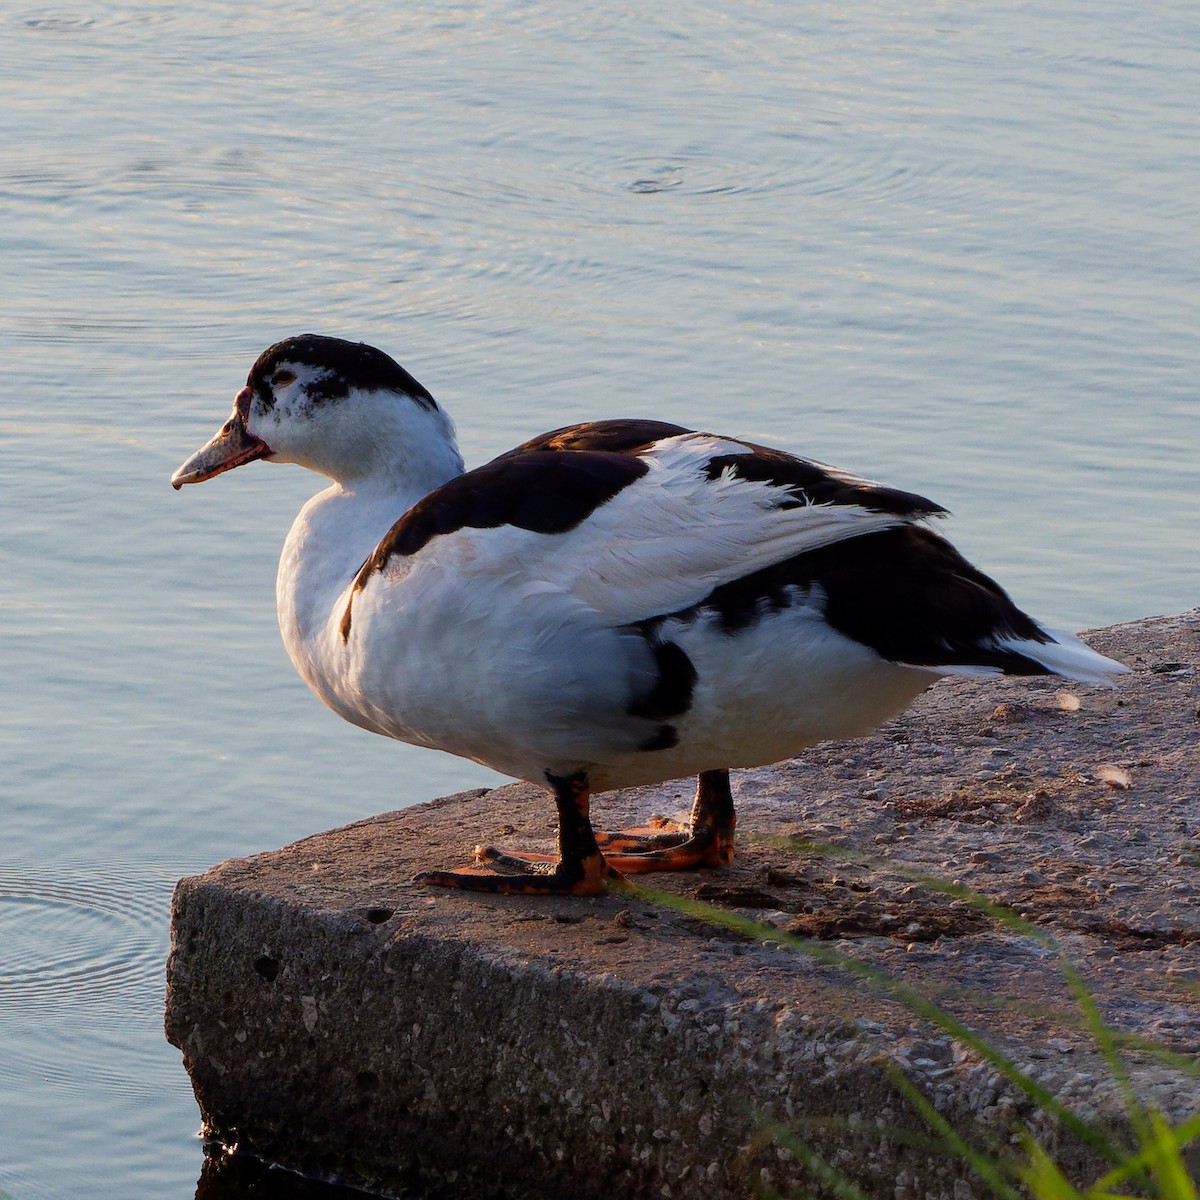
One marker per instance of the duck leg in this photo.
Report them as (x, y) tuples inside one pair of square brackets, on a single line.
[(579, 870), (706, 841), (659, 845)]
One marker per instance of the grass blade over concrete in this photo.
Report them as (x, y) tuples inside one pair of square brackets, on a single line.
[(1154, 1165)]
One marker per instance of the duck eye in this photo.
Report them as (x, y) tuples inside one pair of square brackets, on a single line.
[(282, 377)]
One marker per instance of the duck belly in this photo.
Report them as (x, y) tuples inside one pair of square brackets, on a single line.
[(766, 693), (525, 679), (530, 680)]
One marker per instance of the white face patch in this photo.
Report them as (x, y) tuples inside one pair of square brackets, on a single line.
[(292, 395)]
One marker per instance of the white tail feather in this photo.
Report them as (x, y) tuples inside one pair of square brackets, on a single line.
[(1068, 656)]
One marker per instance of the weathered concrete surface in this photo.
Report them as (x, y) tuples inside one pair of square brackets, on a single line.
[(336, 1018)]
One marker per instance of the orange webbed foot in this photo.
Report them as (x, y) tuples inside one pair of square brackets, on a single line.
[(549, 877), (578, 869)]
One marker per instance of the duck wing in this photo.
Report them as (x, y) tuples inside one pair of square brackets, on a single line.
[(710, 511), (638, 518)]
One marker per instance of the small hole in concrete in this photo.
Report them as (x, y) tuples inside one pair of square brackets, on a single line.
[(368, 1081), (377, 916), (267, 967)]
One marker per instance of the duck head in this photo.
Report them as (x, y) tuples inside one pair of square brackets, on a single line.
[(343, 409)]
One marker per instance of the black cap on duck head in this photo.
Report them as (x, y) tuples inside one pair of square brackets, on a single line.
[(344, 365)]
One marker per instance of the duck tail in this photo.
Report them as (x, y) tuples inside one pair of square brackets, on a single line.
[(1054, 653), (1057, 653), (1067, 655)]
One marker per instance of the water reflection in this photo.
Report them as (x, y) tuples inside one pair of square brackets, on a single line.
[(240, 1177), (949, 246)]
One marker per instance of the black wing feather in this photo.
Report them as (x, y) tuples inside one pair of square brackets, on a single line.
[(905, 592)]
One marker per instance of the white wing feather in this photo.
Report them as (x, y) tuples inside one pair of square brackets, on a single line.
[(665, 541)]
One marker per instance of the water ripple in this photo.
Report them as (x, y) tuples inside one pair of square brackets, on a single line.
[(74, 940), (684, 175), (59, 22), (835, 164), (67, 19)]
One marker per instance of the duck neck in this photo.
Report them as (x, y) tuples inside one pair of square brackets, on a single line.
[(406, 469), (334, 535)]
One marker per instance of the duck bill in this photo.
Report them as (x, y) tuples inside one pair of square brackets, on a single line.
[(233, 446)]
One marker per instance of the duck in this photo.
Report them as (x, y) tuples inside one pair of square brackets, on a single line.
[(611, 604)]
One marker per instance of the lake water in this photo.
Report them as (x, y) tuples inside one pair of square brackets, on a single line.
[(952, 246)]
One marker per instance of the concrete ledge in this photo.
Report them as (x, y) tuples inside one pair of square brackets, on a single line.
[(340, 1021)]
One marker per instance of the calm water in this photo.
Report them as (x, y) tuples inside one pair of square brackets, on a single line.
[(954, 248)]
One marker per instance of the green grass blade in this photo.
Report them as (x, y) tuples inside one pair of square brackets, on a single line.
[(829, 1175), (1106, 1039), (1163, 1158), (909, 997), (1168, 1165), (1187, 1064), (1042, 1176), (984, 1167)]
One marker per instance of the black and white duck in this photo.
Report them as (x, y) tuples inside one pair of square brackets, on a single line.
[(615, 603)]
